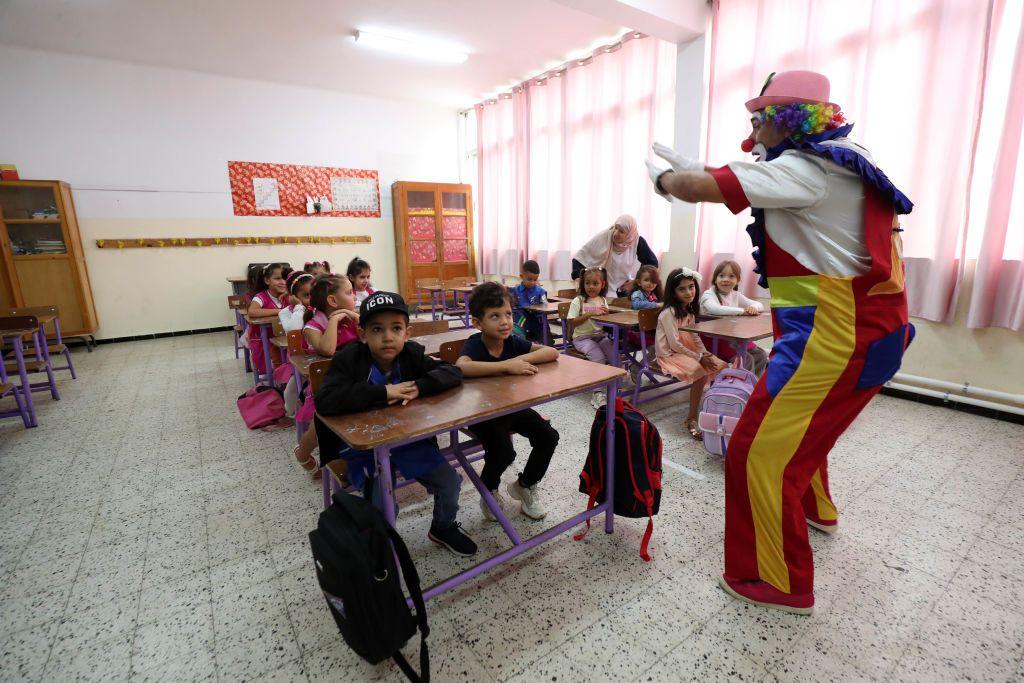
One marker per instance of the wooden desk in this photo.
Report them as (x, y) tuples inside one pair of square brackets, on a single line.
[(264, 326), (476, 400), (463, 293), (302, 361), (618, 320), (735, 327), (432, 342), (26, 408), (737, 330)]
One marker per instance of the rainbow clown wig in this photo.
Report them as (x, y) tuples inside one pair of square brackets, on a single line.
[(799, 119)]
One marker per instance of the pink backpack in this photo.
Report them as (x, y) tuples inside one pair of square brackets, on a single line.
[(261, 406), (722, 405)]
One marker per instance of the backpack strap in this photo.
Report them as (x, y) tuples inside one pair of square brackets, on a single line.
[(592, 489), (412, 581)]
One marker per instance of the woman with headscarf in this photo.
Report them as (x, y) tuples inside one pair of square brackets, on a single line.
[(620, 250)]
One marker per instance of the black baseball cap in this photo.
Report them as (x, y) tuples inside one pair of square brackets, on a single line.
[(379, 302)]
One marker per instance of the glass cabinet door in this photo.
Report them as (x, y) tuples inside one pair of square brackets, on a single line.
[(455, 226)]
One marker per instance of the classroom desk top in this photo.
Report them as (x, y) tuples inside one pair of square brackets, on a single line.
[(432, 342), (738, 327), (475, 400), (42, 317), (280, 341), (624, 317), (237, 280), (548, 308), (302, 361), (266, 320), (18, 332), (551, 307)]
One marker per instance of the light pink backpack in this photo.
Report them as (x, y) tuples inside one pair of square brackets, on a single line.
[(261, 406), (722, 405)]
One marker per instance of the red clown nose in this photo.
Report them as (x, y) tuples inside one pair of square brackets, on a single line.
[(747, 145)]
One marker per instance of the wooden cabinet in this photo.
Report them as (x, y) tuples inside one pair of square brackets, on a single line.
[(41, 253), (433, 233)]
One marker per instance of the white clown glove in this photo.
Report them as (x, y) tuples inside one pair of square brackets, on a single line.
[(677, 160), (655, 174)]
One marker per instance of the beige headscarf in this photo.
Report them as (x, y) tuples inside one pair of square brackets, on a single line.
[(614, 253)]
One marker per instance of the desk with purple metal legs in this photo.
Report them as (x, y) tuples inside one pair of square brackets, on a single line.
[(19, 327), (477, 400), (738, 330), (264, 327)]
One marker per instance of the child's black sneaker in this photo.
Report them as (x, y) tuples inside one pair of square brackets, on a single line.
[(454, 539)]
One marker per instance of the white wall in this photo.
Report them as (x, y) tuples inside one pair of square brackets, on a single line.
[(145, 150), (690, 109)]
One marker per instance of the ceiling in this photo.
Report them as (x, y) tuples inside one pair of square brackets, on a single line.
[(309, 42)]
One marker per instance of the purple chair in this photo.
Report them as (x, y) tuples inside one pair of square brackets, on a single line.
[(57, 347), (12, 329)]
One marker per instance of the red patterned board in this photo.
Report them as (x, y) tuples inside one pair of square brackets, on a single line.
[(423, 252), (421, 227), (454, 226), (293, 184), (456, 250)]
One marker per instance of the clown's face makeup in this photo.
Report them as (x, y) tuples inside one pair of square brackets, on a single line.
[(763, 136)]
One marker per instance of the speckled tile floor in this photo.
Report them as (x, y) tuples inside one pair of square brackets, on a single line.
[(145, 534)]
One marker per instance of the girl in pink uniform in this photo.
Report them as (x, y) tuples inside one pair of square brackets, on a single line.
[(268, 299), (331, 322)]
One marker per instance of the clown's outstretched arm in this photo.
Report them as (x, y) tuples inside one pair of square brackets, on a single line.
[(687, 179), (691, 186)]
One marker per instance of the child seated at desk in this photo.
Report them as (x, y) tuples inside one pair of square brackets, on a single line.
[(298, 285), (384, 368), (267, 301), (588, 338), (722, 298), (494, 350), (358, 272), (330, 324), (680, 352), (528, 293)]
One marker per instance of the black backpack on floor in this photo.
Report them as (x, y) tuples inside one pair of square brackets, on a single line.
[(637, 489), (355, 566)]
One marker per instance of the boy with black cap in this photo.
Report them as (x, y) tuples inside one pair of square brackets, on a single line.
[(384, 368)]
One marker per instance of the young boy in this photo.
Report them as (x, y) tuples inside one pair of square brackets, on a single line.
[(529, 293), (383, 368), (494, 350)]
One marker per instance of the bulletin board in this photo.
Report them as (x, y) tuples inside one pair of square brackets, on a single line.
[(260, 189)]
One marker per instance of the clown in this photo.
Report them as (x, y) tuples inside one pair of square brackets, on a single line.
[(827, 246)]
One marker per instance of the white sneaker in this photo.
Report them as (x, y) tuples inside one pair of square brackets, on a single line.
[(531, 507), (598, 399), (499, 499)]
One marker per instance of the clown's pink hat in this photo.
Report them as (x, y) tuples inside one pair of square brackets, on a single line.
[(787, 87)]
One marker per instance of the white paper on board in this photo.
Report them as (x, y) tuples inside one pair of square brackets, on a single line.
[(267, 196), (354, 194)]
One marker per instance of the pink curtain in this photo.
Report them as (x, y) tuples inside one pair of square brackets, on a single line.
[(502, 174), (996, 297), (914, 98), (562, 155)]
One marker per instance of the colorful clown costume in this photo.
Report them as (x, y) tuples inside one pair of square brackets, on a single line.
[(828, 249)]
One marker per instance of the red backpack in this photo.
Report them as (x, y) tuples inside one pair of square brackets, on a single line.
[(637, 489)]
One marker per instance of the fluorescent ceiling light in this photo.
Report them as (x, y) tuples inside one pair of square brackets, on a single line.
[(413, 47)]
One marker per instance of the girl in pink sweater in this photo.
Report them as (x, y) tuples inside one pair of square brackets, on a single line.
[(681, 353)]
